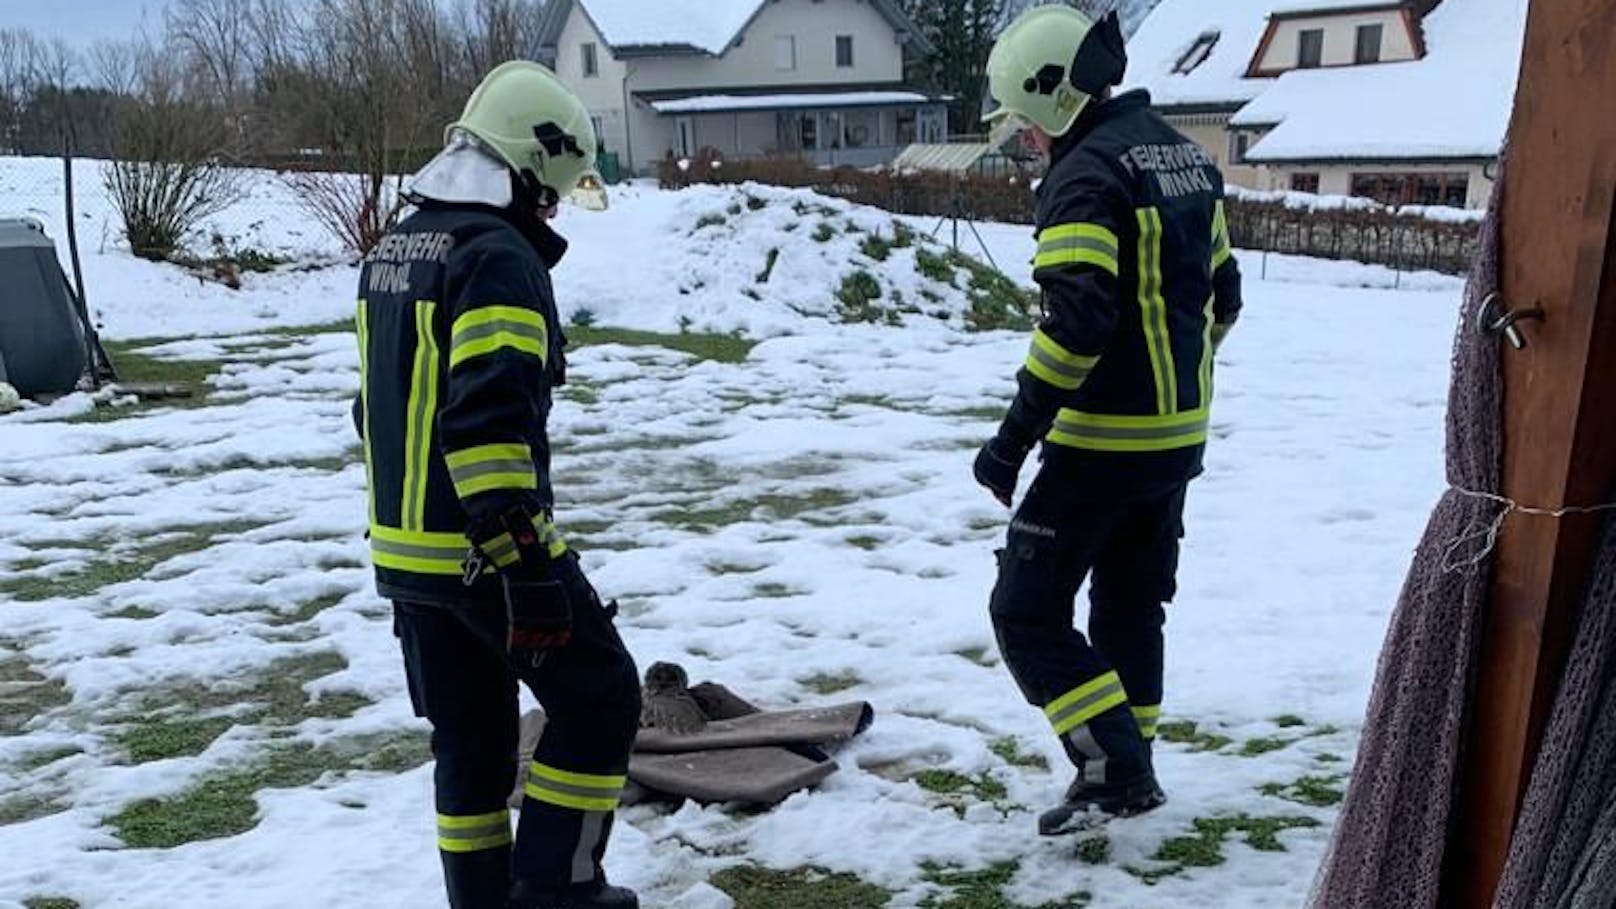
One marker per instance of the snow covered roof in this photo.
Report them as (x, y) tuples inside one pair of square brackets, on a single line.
[(1173, 29), (716, 103), (675, 27), (1453, 103)]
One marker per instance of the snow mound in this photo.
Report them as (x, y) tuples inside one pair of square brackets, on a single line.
[(759, 260)]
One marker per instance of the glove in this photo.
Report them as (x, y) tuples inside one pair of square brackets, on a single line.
[(538, 610), (997, 466)]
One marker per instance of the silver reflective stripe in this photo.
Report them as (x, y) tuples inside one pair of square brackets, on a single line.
[(416, 550), (1089, 243), (1095, 759), (1168, 431), (1087, 703), (484, 468), (492, 828), (592, 831), (489, 329), (1076, 373)]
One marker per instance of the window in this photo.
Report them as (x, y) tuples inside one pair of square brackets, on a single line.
[(591, 60), (1239, 144), (1451, 189), (1198, 52), (906, 126), (687, 137), (844, 51), (810, 132), (1305, 183), (833, 129), (785, 52), (1311, 52), (1369, 41)]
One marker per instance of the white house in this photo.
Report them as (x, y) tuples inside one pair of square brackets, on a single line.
[(1401, 101), (820, 78)]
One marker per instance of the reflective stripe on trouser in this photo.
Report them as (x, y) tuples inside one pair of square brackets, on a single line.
[(1148, 716), (593, 796), (475, 832)]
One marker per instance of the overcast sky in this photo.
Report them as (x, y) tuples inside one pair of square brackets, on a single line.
[(81, 21)]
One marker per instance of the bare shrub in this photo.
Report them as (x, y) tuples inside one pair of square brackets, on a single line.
[(356, 208), (167, 176)]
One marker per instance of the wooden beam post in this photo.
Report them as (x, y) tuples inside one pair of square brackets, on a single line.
[(1559, 250)]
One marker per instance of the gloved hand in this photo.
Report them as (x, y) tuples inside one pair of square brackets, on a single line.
[(538, 610), (997, 466)]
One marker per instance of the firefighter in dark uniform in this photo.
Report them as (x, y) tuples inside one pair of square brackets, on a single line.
[(1139, 288), (460, 349)]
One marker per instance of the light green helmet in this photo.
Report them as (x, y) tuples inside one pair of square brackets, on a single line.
[(1048, 65), (523, 113)]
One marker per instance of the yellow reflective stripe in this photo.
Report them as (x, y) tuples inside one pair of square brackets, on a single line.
[(1054, 364), (474, 833), (1077, 244), (1148, 716), (1204, 374), (420, 416), (421, 552), (362, 329), (1108, 432), (1222, 249), (552, 539), (579, 791), (488, 467), (502, 550), (487, 329), (1085, 702), (1153, 310)]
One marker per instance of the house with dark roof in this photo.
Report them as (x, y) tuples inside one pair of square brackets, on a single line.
[(1403, 101), (823, 79)]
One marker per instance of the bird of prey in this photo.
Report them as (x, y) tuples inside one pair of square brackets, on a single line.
[(667, 702)]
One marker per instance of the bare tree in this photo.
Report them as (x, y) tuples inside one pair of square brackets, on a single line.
[(499, 30), (167, 176), (56, 64), (111, 66), (216, 35), (17, 53)]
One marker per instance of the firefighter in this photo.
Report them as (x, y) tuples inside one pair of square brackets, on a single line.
[(1138, 289), (460, 351)]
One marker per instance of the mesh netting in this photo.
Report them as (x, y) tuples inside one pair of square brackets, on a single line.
[(1563, 854), (1388, 843)]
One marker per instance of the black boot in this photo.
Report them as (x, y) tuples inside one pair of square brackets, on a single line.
[(1088, 803), (588, 896)]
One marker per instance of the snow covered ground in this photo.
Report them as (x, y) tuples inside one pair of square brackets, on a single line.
[(186, 615)]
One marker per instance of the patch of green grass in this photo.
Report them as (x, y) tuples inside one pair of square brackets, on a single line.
[(1328, 757), (984, 889), (28, 695), (824, 232), (774, 590), (1184, 732), (753, 203), (876, 247), (134, 366), (903, 236), (159, 740), (137, 613), (719, 348), (776, 506), (753, 887), (1093, 850), (830, 683), (1009, 750), (997, 303), (1315, 791), (49, 756), (849, 228), (855, 300), (27, 806), (1288, 721), (1204, 848), (712, 219), (1261, 746), (864, 541), (977, 655), (934, 266), (983, 788), (224, 804), (308, 610), (275, 695), (49, 902), (119, 566)]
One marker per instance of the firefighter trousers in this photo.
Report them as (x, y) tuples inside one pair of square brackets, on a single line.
[(1102, 693), (462, 682)]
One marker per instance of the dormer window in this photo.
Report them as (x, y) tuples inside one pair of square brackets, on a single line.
[(1370, 39), (1310, 49), (1198, 52)]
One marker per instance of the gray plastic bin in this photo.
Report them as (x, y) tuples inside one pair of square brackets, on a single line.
[(41, 338)]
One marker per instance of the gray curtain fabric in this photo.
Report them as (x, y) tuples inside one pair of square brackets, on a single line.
[(1388, 844), (1563, 853)]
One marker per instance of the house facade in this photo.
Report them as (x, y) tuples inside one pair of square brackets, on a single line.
[(817, 78), (1404, 102)]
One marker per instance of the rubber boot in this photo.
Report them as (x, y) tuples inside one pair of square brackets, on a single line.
[(588, 896), (1087, 804)]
